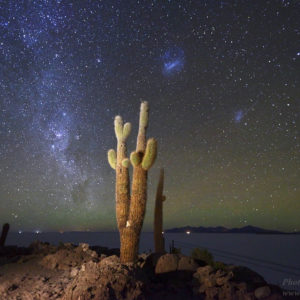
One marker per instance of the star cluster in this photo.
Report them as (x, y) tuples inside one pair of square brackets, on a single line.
[(222, 80)]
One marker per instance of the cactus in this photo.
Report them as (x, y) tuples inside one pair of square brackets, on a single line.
[(130, 209), (4, 233), (159, 242)]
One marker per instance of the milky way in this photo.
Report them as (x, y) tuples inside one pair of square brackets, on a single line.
[(222, 81)]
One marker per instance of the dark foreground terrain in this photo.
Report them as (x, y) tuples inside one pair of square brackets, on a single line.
[(67, 272)]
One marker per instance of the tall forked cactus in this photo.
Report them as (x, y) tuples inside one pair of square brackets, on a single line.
[(130, 209), (159, 241)]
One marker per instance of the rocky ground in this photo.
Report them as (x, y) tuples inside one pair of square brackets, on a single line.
[(70, 272)]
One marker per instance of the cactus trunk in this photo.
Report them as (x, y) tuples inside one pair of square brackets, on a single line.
[(130, 210), (4, 233), (122, 187), (159, 243), (129, 244)]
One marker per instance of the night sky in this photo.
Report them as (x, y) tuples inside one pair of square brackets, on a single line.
[(222, 82)]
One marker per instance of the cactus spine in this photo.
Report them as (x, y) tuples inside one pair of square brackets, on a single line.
[(130, 209), (159, 242), (4, 233)]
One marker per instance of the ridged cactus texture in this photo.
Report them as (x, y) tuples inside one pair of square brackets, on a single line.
[(131, 208), (4, 233), (159, 241)]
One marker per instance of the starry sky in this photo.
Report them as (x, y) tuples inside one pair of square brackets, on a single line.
[(222, 82)]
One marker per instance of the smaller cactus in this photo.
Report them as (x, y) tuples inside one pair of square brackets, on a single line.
[(159, 241), (4, 233)]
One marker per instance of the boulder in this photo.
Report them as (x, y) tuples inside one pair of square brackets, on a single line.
[(148, 261), (110, 261), (167, 263)]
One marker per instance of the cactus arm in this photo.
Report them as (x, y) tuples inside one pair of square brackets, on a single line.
[(150, 154), (143, 124), (126, 163), (118, 127), (112, 158), (135, 158), (126, 131)]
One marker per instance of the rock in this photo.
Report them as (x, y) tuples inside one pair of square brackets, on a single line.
[(4, 287), (50, 262), (13, 287), (248, 296), (216, 284), (262, 292), (222, 277), (106, 251), (211, 293), (86, 272), (244, 274), (38, 247), (84, 246), (74, 272), (110, 261), (102, 256), (204, 271), (242, 291), (67, 245), (108, 279), (148, 260), (187, 264), (167, 263), (203, 279), (67, 258)]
